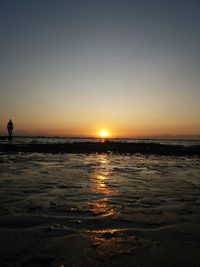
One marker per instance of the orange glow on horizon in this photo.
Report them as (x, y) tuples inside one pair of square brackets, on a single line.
[(110, 129)]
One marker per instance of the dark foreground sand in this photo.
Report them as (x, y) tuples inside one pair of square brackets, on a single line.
[(34, 241), (99, 210)]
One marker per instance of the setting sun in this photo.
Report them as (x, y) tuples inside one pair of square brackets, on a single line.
[(104, 133)]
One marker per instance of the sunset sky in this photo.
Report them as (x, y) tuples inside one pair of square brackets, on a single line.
[(75, 67)]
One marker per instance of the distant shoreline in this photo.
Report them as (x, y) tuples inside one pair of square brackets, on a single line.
[(111, 139), (106, 147)]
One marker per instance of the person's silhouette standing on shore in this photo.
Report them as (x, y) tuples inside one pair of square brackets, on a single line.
[(10, 129)]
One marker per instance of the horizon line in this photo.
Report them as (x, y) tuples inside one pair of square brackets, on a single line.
[(178, 137)]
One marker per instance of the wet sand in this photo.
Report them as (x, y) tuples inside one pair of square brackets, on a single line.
[(99, 210)]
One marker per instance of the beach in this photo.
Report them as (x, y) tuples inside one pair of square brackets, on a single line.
[(99, 209), (100, 133)]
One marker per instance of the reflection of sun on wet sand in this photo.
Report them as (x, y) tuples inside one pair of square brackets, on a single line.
[(99, 210), (100, 186)]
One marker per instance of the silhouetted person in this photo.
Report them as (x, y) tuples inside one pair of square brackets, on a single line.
[(10, 129)]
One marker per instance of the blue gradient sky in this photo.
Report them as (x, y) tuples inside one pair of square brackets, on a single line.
[(74, 67)]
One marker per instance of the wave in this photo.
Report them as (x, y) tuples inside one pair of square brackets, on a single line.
[(103, 147)]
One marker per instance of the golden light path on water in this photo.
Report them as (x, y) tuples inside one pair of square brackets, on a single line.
[(100, 186)]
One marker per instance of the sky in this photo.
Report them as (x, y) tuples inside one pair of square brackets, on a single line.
[(74, 67)]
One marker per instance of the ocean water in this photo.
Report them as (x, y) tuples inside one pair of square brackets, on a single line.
[(117, 205), (99, 191), (58, 140)]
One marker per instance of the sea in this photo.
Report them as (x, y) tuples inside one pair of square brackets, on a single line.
[(60, 140), (116, 205)]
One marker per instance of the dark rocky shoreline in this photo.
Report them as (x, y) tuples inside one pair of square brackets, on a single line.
[(98, 147)]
